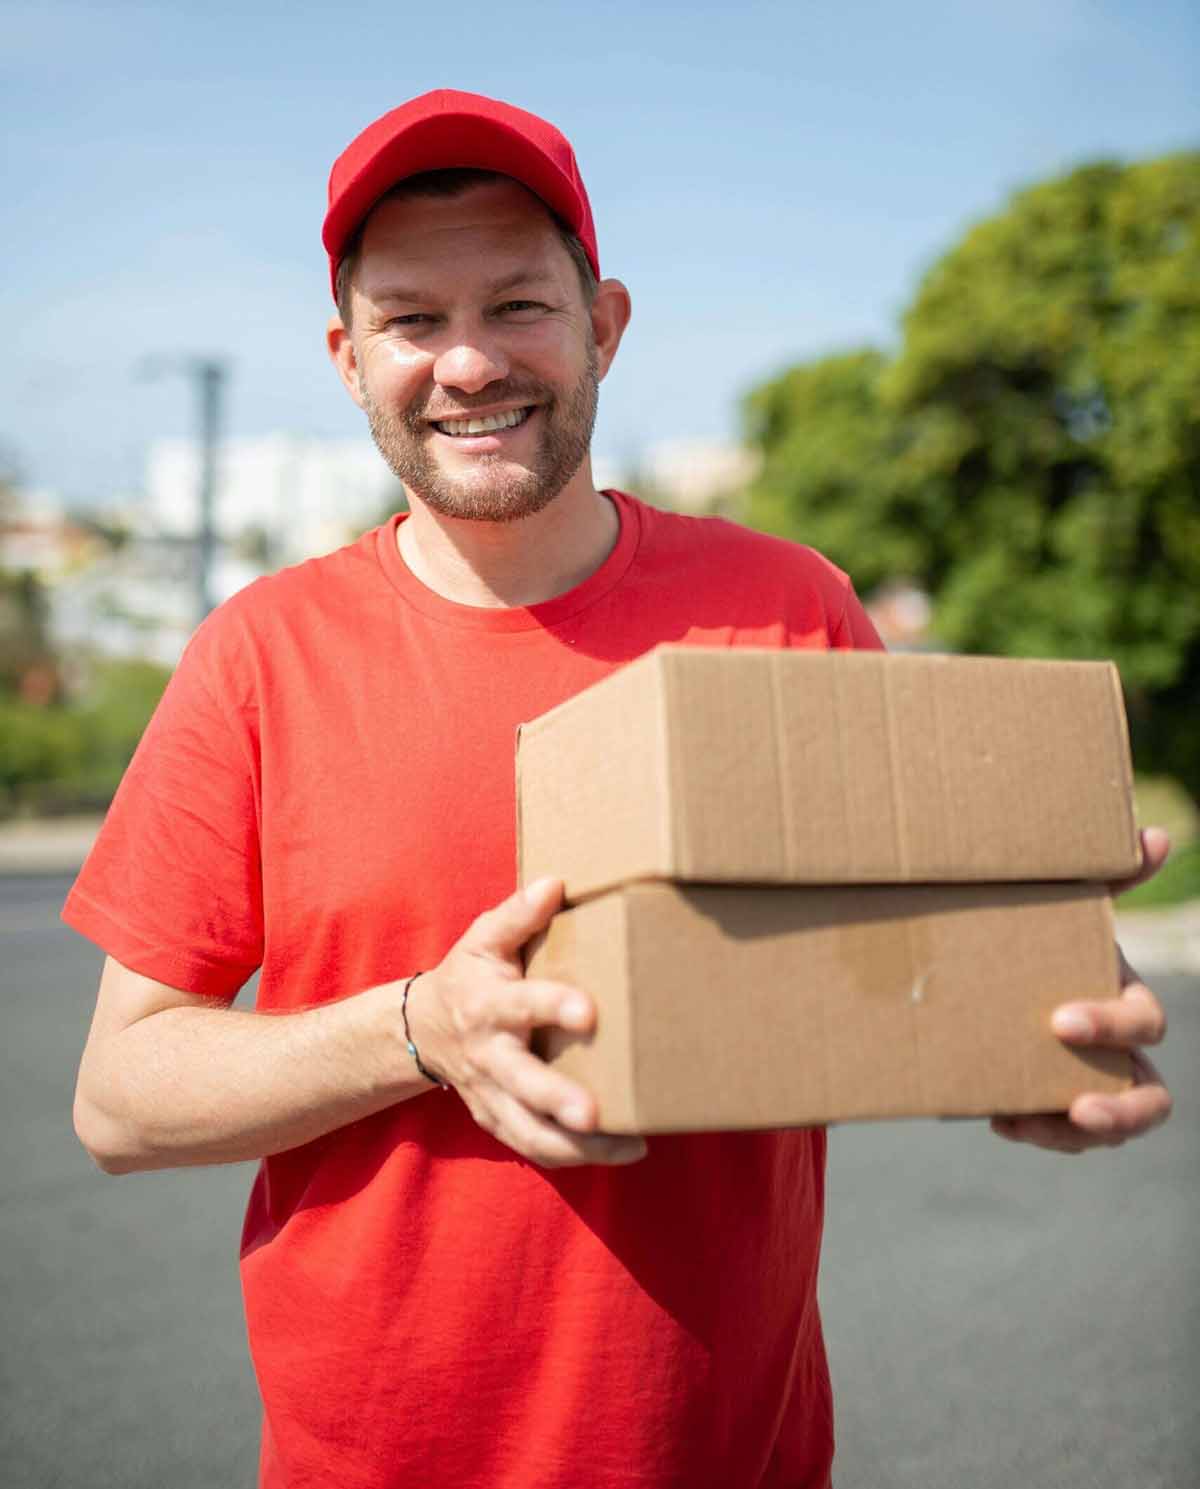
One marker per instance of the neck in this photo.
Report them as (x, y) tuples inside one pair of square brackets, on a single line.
[(508, 564)]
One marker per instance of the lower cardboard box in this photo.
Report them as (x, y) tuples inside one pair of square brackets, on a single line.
[(726, 1008)]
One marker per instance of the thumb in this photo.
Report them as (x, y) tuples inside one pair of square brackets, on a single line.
[(504, 930)]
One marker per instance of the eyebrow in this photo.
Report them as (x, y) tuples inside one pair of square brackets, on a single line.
[(520, 277)]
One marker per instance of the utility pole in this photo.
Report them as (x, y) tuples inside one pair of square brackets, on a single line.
[(210, 382), (209, 375)]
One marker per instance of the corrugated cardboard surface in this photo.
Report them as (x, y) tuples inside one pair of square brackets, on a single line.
[(748, 766), (743, 1008)]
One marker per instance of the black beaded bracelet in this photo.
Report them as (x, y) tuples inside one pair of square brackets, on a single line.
[(412, 1049)]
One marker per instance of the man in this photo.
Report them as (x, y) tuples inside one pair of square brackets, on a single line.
[(470, 1285)]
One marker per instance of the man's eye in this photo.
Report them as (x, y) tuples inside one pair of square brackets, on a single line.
[(417, 318), (518, 307)]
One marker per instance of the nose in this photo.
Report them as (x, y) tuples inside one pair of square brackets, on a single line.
[(471, 362)]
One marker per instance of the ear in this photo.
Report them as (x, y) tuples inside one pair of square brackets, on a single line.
[(343, 356), (610, 315)]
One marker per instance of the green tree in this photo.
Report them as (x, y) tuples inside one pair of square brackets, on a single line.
[(71, 756), (832, 472), (1032, 452)]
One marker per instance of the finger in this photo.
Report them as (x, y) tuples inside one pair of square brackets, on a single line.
[(1093, 1121), (543, 1090), (530, 1002), (1047, 1130), (503, 930), (1156, 845), (545, 1143), (1135, 1017), (1127, 1114)]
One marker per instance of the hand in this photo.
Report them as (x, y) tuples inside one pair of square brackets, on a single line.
[(1126, 1022), (471, 1018)]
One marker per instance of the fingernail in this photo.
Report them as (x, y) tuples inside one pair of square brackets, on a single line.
[(632, 1155), (538, 888), (1072, 1023), (574, 1114), (574, 1010)]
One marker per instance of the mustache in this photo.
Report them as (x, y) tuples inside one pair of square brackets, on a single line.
[(509, 392)]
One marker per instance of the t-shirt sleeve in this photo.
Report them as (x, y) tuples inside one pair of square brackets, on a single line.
[(854, 631), (172, 887)]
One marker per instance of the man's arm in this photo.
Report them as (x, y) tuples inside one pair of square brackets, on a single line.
[(1127, 1022), (169, 1079)]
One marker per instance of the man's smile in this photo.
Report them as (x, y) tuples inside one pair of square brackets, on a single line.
[(477, 424)]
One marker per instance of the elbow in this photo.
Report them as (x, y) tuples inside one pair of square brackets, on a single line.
[(103, 1140)]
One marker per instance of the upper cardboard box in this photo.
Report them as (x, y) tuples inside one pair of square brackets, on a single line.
[(769, 767)]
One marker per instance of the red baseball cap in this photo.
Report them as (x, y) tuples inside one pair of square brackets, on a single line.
[(445, 129)]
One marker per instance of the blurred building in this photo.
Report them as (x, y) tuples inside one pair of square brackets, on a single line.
[(138, 599), (901, 612), (698, 475), (280, 498), (39, 538), (104, 589), (124, 584)]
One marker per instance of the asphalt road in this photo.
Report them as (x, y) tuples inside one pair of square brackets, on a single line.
[(996, 1317)]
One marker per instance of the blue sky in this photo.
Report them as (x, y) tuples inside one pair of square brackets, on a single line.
[(770, 180)]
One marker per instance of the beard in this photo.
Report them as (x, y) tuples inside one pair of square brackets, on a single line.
[(496, 489)]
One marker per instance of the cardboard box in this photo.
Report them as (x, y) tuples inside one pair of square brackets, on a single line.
[(750, 766), (743, 1008)]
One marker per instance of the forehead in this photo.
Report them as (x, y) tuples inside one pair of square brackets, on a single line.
[(490, 229)]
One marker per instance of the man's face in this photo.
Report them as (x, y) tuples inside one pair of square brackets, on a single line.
[(469, 308)]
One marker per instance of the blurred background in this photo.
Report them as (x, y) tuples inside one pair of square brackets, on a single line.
[(918, 285)]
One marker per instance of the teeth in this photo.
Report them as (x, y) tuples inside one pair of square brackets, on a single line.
[(483, 426)]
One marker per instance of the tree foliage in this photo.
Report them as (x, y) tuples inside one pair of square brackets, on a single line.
[(72, 756), (1031, 454)]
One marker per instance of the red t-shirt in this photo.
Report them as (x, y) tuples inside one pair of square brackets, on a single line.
[(327, 790)]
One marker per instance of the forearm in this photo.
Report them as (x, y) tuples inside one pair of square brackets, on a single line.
[(201, 1085)]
